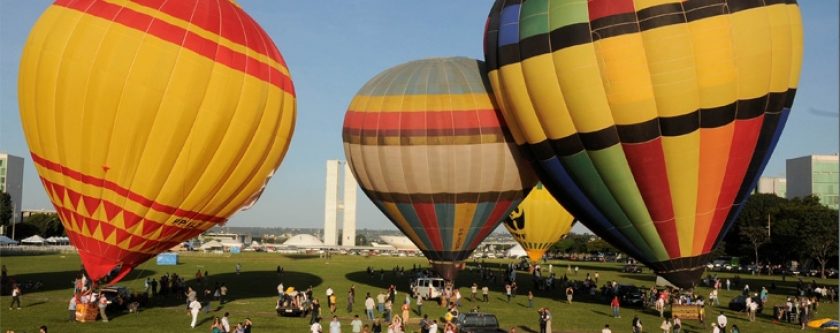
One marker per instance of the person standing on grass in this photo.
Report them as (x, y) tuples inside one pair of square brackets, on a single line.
[(103, 305), (315, 327), (194, 307), (335, 325), (333, 301), (225, 322), (637, 324), (238, 268), (223, 290), (72, 309), (666, 326), (406, 311), (474, 290), (507, 291), (424, 324), (316, 311), (15, 297), (350, 299), (606, 329), (419, 304), (369, 304), (433, 327), (380, 302), (376, 327), (569, 294), (485, 294), (530, 299), (615, 306), (677, 324), (356, 324)]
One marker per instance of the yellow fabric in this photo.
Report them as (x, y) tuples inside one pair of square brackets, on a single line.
[(539, 222)]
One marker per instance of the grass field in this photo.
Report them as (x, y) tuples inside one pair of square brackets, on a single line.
[(253, 293)]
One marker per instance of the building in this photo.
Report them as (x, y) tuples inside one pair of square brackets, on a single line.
[(814, 174), (772, 185), (346, 205), (11, 181)]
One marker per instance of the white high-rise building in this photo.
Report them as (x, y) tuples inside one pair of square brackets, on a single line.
[(11, 181), (346, 204)]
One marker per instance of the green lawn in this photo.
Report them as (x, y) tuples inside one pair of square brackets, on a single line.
[(253, 292)]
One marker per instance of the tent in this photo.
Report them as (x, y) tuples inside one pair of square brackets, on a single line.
[(211, 245), (6, 240), (37, 240), (516, 252), (58, 240)]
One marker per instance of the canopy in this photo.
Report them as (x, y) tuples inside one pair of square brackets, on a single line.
[(6, 240), (33, 240), (57, 240), (516, 251), (211, 245)]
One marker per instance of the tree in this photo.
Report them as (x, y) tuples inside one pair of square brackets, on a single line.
[(755, 236), (48, 225), (817, 234), (5, 208)]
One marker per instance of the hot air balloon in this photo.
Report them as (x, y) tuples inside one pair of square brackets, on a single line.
[(150, 121), (427, 145), (649, 120), (538, 222)]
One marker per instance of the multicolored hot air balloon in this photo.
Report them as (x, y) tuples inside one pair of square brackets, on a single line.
[(150, 121), (649, 120), (428, 147), (539, 222)]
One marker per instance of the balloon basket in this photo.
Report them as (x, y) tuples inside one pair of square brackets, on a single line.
[(86, 312)]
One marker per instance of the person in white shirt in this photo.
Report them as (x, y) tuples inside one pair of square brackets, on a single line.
[(606, 329), (369, 304), (335, 325), (721, 320), (226, 321), (194, 307), (280, 289), (433, 328), (356, 324), (316, 326)]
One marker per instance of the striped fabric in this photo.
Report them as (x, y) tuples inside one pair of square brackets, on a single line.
[(150, 121), (539, 222), (426, 144), (650, 119)]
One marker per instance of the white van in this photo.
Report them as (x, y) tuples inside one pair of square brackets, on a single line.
[(429, 288)]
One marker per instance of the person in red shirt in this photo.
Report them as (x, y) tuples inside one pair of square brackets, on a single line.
[(615, 305)]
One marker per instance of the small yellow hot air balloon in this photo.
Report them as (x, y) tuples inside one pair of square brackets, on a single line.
[(150, 121), (539, 222)]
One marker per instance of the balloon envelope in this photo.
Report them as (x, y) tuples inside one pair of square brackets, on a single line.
[(151, 121), (428, 147), (538, 222), (650, 121)]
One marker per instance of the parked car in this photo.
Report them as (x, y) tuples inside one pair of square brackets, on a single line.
[(478, 322), (739, 303), (632, 269), (630, 296), (430, 288)]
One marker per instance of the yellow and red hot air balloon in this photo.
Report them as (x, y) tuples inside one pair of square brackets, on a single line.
[(649, 120), (538, 222), (150, 121), (429, 148)]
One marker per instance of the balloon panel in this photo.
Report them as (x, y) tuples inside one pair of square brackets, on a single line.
[(150, 121), (427, 146), (648, 120)]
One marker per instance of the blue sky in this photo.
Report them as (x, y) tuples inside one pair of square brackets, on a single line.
[(333, 48)]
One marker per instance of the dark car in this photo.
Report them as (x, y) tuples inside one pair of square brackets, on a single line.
[(631, 269), (739, 303), (630, 296), (478, 322)]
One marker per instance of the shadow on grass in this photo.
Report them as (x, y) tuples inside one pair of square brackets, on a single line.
[(642, 277), (50, 281), (246, 285)]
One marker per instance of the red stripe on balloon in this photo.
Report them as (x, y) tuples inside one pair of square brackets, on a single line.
[(428, 217), (210, 18), (741, 151), (184, 38), (418, 120), (647, 163), (604, 8), (109, 185)]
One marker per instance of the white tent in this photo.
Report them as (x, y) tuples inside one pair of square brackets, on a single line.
[(516, 252), (33, 240), (6, 240), (58, 240), (214, 244)]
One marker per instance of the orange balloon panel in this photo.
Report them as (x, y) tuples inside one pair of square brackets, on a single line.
[(150, 121)]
